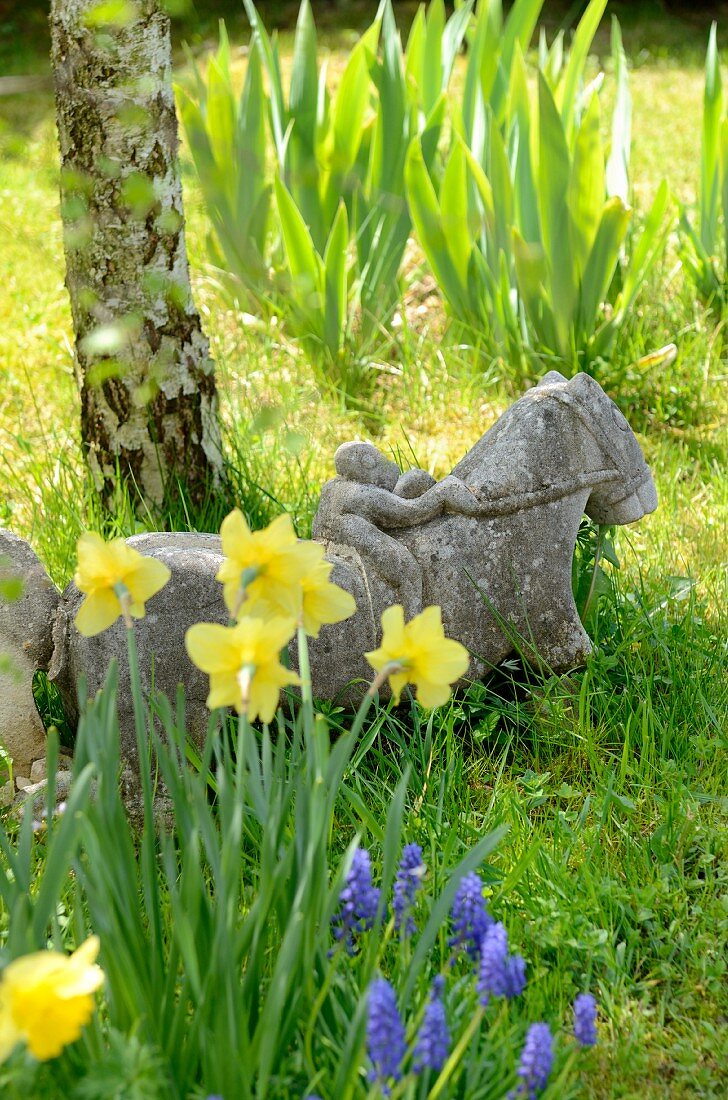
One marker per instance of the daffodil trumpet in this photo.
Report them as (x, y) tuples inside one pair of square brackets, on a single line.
[(245, 679)]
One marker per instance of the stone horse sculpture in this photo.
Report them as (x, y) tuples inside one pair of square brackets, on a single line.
[(495, 551), (492, 544)]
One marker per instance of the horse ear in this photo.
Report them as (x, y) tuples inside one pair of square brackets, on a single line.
[(553, 378)]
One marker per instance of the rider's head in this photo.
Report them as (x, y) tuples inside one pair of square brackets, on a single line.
[(362, 462)]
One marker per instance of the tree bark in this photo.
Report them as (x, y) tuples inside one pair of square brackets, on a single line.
[(147, 384)]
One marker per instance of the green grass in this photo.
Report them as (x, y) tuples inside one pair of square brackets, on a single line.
[(613, 781)]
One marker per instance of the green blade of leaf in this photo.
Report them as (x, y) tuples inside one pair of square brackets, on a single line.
[(305, 264), (603, 259), (586, 183), (649, 247), (335, 307), (520, 115), (427, 219), (574, 75), (710, 149), (618, 163), (432, 75), (454, 212)]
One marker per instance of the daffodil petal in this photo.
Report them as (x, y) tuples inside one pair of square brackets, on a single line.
[(10, 1034), (234, 530), (453, 661), (430, 694), (211, 647), (429, 619), (377, 658), (98, 612), (324, 602), (46, 999), (56, 1025), (147, 579), (393, 630), (90, 555), (265, 690), (279, 534), (224, 690), (87, 953), (283, 598), (397, 682), (278, 632)]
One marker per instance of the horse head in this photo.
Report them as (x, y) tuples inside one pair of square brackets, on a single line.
[(629, 493)]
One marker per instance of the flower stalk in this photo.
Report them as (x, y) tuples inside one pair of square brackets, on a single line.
[(125, 599)]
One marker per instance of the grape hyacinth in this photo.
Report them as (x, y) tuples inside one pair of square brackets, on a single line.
[(433, 1042), (469, 915), (386, 1042), (358, 900), (500, 974), (537, 1059), (408, 881), (585, 1019)]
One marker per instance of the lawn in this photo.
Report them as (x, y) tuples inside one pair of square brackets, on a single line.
[(613, 781)]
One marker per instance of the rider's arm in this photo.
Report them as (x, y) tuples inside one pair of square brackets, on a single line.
[(457, 496), (387, 510)]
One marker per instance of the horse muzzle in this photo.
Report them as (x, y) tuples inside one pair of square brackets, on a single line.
[(627, 510)]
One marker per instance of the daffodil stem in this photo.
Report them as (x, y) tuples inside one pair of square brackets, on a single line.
[(241, 751), (139, 710), (247, 577), (304, 666), (376, 684), (383, 675), (144, 766), (124, 596)]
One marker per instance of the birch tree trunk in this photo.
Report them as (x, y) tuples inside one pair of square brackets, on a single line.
[(147, 384)]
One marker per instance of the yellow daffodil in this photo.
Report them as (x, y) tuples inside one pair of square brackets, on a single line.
[(243, 663), (116, 580), (263, 569), (418, 653), (46, 999), (323, 602)]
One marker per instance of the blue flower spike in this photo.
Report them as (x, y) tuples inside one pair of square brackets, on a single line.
[(500, 974), (433, 1041), (469, 915), (585, 1020), (409, 879), (537, 1059), (358, 900), (386, 1041)]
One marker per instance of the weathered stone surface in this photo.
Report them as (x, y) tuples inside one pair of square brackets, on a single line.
[(25, 645), (192, 595), (36, 794), (37, 771)]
